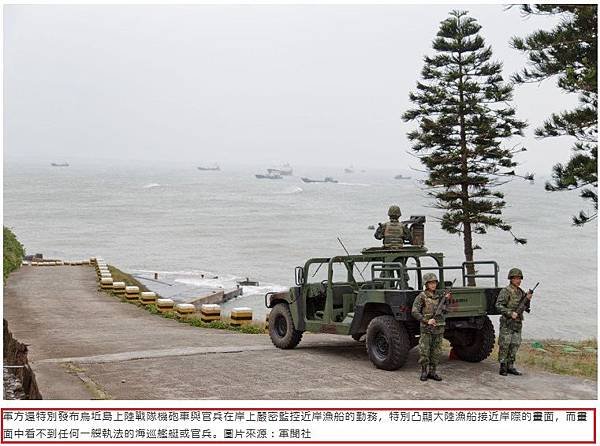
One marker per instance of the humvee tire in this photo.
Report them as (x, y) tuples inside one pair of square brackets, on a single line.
[(387, 343), (475, 345), (281, 327)]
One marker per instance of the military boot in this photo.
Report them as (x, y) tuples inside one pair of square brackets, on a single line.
[(511, 369), (423, 373), (503, 370), (433, 375)]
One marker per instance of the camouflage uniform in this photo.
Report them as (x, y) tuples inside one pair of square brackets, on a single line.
[(393, 233), (509, 338), (430, 341)]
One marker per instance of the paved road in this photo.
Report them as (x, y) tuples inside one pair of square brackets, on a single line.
[(85, 344)]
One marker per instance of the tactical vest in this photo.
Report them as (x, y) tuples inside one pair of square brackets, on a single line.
[(393, 234), (430, 303), (513, 298)]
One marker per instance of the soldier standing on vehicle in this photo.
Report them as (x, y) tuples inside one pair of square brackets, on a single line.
[(511, 323), (432, 329), (393, 233)]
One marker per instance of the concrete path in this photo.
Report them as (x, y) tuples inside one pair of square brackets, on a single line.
[(85, 344)]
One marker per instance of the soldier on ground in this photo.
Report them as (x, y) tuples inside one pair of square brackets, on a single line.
[(393, 233), (511, 323), (432, 329)]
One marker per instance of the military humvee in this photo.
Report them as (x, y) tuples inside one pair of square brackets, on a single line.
[(372, 294)]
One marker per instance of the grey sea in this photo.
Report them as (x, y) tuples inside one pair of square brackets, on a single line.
[(210, 229)]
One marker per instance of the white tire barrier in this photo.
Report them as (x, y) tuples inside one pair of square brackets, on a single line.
[(119, 288), (185, 310), (210, 312), (241, 316), (164, 305), (132, 292), (106, 283)]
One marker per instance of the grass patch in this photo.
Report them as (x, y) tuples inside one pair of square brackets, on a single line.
[(120, 276), (13, 253), (254, 328), (577, 358)]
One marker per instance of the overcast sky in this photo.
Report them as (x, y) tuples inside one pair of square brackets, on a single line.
[(324, 84)]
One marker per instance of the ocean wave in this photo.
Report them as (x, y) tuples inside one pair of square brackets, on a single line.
[(292, 190), (354, 184)]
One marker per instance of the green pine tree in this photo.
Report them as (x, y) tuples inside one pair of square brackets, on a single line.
[(569, 52), (463, 115)]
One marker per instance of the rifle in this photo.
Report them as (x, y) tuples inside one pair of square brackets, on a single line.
[(524, 302), (441, 306)]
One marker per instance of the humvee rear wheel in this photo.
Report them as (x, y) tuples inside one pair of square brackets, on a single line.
[(387, 343), (474, 345), (281, 327)]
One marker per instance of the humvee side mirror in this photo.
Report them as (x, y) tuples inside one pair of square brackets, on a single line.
[(299, 275)]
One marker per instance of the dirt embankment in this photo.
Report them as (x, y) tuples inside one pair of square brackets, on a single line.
[(19, 381)]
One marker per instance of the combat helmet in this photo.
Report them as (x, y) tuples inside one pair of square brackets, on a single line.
[(430, 277), (515, 272), (394, 211)]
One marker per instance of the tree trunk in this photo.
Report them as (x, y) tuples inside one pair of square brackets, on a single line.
[(469, 253), (467, 234)]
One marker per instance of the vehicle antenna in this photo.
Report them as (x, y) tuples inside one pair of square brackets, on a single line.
[(353, 265)]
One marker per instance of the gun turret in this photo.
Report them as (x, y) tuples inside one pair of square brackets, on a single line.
[(416, 227)]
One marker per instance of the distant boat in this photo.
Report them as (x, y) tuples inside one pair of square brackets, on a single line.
[(268, 176), (349, 170), (209, 168), (248, 282), (59, 164), (285, 170), (401, 177), (326, 180)]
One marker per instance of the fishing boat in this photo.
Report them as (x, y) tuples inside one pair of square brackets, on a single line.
[(349, 170), (248, 282), (268, 176), (326, 180), (215, 167), (401, 177), (59, 164), (285, 170)]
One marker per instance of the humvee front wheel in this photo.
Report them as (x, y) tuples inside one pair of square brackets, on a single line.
[(387, 343), (474, 345), (281, 327)]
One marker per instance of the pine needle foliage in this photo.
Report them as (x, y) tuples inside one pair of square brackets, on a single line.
[(569, 53), (462, 108)]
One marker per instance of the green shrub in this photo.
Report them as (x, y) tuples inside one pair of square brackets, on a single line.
[(152, 309), (13, 252), (252, 329)]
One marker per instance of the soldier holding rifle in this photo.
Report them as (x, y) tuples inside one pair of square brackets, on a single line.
[(511, 303), (429, 307)]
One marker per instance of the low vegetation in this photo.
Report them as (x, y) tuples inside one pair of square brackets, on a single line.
[(120, 276), (558, 356), (562, 357), (13, 252)]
